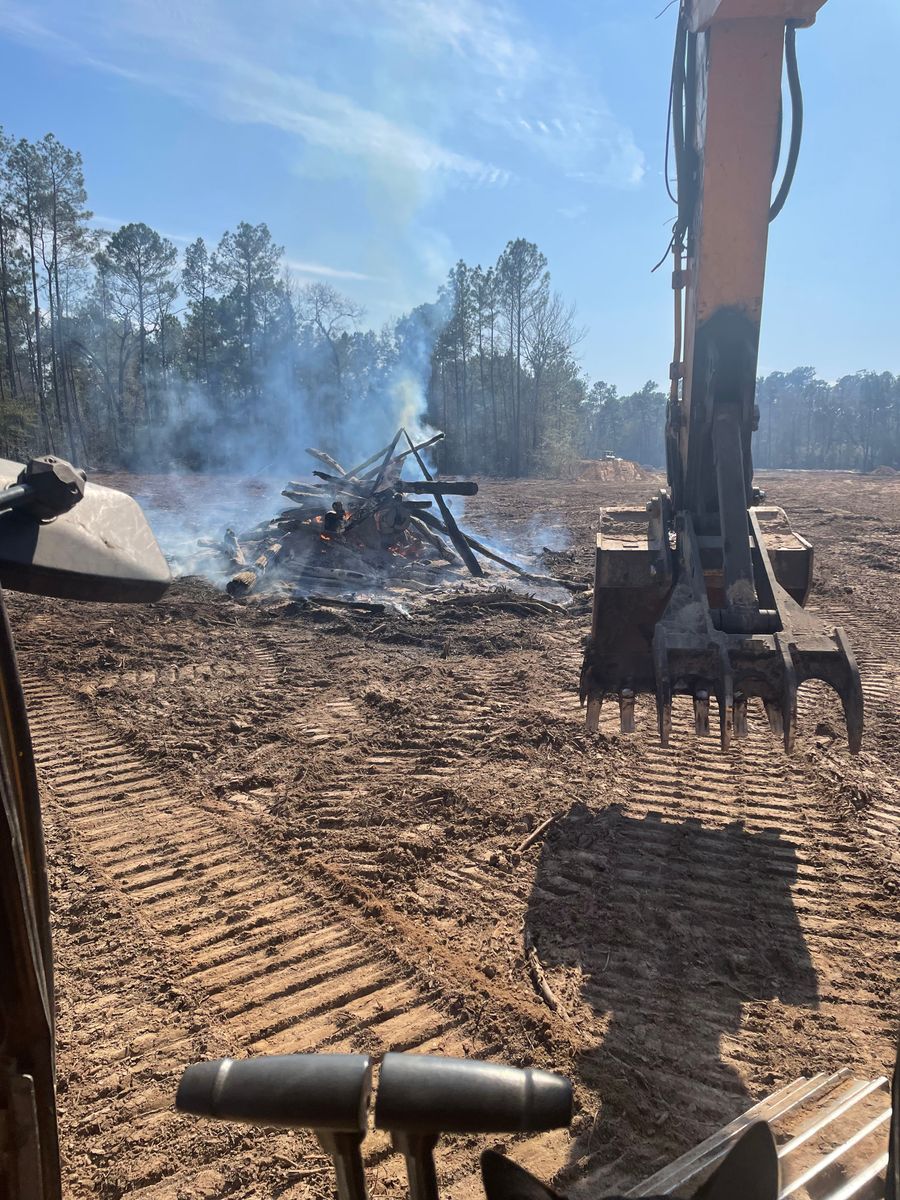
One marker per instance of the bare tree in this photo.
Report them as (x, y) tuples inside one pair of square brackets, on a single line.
[(332, 315)]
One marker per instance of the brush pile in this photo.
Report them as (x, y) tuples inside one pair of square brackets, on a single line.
[(358, 531)]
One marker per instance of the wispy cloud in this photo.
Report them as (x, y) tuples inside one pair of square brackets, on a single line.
[(334, 122), (511, 82), (485, 35), (232, 84), (390, 83), (308, 268)]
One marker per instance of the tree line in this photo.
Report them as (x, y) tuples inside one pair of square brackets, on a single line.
[(120, 350), (805, 423)]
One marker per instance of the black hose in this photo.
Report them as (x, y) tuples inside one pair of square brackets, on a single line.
[(676, 105), (687, 166), (790, 55), (671, 109)]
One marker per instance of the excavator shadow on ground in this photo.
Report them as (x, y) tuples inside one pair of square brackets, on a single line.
[(674, 926)]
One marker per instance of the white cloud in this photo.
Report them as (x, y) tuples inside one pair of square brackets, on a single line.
[(508, 81), (307, 268), (572, 212), (385, 82), (484, 34), (235, 86)]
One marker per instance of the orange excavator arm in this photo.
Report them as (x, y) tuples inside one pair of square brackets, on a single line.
[(702, 594), (731, 113)]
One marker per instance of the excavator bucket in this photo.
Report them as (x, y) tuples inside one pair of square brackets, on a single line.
[(661, 626)]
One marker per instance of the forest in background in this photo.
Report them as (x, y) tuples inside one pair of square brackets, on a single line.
[(119, 350)]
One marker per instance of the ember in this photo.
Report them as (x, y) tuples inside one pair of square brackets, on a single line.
[(351, 531)]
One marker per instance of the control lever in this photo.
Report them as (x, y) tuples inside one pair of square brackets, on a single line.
[(327, 1093), (421, 1096)]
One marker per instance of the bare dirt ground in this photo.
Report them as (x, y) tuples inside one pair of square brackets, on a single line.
[(276, 832)]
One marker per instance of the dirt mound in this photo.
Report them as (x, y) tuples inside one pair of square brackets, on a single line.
[(610, 470), (884, 472)]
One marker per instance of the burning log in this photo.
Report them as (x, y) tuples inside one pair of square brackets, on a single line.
[(245, 581), (351, 531)]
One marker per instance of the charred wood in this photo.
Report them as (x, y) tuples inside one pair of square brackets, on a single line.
[(398, 458), (419, 487), (459, 542), (245, 581), (233, 546), (382, 470), (431, 487), (433, 540), (326, 458), (542, 580)]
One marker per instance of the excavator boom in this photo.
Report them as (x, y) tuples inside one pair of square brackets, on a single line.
[(702, 594)]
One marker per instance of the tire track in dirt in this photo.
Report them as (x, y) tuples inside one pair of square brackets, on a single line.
[(700, 825), (877, 807), (735, 838), (266, 964), (739, 841)]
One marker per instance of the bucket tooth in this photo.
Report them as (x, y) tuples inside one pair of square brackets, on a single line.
[(594, 704), (773, 712), (664, 721), (701, 713), (663, 687), (788, 695), (726, 725), (790, 728), (740, 715), (852, 694), (726, 708), (626, 710)]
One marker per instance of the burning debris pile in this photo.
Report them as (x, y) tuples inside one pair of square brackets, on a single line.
[(364, 530)]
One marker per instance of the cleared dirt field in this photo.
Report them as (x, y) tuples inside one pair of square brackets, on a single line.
[(275, 832)]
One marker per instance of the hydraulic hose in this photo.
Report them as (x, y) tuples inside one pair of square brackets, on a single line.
[(796, 92)]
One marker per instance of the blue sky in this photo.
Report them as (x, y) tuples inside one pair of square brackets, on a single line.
[(383, 139)]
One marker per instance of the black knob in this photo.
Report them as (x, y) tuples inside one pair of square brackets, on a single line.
[(297, 1091), (420, 1093)]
